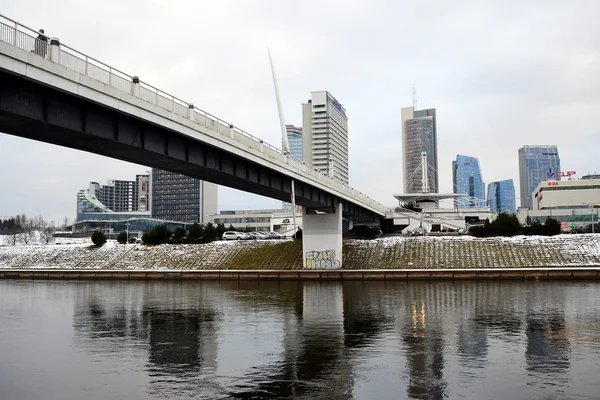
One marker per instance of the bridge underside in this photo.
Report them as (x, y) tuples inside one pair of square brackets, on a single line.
[(34, 111)]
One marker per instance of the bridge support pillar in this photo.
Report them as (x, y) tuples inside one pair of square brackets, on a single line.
[(322, 239), (135, 86), (55, 49)]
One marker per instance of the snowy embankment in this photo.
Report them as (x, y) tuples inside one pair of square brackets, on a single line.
[(391, 252)]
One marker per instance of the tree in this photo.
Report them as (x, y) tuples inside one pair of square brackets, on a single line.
[(552, 226), (27, 235), (12, 239), (47, 235), (528, 221), (98, 238), (210, 232), (179, 233), (298, 234), (196, 231), (220, 230), (158, 235), (122, 238)]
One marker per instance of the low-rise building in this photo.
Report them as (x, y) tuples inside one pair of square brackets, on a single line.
[(279, 220), (574, 203)]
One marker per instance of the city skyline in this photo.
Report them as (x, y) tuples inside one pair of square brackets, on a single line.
[(478, 84)]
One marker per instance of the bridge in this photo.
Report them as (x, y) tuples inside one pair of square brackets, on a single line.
[(55, 94)]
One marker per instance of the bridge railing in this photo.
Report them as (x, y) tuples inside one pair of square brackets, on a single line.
[(25, 38)]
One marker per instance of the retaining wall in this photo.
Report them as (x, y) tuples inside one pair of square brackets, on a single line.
[(310, 275)]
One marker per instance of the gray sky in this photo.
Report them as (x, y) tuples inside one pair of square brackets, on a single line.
[(501, 74)]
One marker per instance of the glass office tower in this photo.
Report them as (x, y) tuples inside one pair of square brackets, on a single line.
[(536, 164), (176, 197), (467, 179), (419, 134), (501, 196)]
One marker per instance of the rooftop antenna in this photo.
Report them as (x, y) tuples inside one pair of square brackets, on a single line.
[(284, 138), (414, 97)]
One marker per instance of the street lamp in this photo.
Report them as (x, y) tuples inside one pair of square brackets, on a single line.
[(127, 229)]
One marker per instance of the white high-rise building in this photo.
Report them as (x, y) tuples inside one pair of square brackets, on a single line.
[(325, 135)]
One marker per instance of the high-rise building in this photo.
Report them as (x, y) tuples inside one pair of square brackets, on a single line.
[(142, 183), (294, 135), (419, 134), (325, 135), (536, 164), (118, 195), (501, 196), (176, 197), (467, 179)]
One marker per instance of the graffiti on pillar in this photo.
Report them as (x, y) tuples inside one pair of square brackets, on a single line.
[(322, 259)]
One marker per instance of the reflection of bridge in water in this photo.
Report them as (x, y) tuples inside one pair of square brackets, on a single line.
[(308, 340)]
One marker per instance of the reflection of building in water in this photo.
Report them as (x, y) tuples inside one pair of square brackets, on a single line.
[(424, 343), (548, 348), (314, 360), (182, 340)]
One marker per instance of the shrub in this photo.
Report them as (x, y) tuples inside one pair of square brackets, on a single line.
[(179, 233), (298, 234), (158, 235), (196, 231), (210, 232), (366, 231), (98, 238), (122, 237)]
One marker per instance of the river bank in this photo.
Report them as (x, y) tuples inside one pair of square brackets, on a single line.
[(391, 253)]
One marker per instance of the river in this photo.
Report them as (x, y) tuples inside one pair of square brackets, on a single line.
[(376, 340)]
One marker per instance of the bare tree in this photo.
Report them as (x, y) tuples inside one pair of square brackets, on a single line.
[(47, 235), (65, 223), (27, 235), (12, 239)]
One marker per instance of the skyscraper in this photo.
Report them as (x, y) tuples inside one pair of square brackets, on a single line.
[(536, 164), (294, 135), (176, 197), (419, 134), (466, 177), (501, 196), (325, 135)]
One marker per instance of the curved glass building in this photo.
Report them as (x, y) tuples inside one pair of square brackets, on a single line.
[(467, 179), (501, 196)]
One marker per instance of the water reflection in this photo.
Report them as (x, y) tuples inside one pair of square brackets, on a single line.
[(311, 340)]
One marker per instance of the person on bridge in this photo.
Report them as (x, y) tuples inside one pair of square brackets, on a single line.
[(41, 44)]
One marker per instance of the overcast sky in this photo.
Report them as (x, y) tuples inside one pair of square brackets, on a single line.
[(501, 74)]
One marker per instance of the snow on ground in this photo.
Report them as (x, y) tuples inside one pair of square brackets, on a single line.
[(389, 252)]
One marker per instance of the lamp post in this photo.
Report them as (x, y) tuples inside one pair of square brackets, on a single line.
[(127, 229)]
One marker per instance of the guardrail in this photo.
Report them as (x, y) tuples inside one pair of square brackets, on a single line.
[(23, 37)]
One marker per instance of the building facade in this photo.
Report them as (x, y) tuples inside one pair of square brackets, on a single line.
[(142, 183), (325, 135), (116, 197), (569, 194), (501, 196), (176, 197), (281, 221), (419, 134), (467, 179), (294, 135), (536, 164)]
